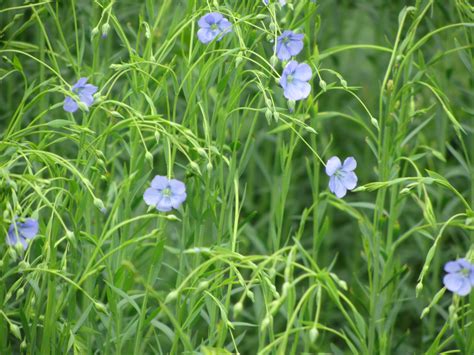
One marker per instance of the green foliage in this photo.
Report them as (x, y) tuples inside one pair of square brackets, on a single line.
[(261, 258)]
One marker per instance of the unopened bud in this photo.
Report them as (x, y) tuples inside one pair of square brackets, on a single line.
[(323, 85), (100, 307), (266, 322), (291, 105), (313, 334), (94, 32), (149, 158), (273, 60), (171, 296), (419, 288), (238, 308), (105, 30), (99, 204), (15, 330), (268, 115)]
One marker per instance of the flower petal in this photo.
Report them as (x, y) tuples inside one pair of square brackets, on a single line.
[(333, 164), (464, 264), (88, 100), (453, 282), (224, 25), (282, 52), (303, 72), (12, 235), (177, 187), (349, 180), (295, 46), (29, 229), (290, 67), (89, 89), (177, 200), (206, 35), (349, 164), (152, 196), (452, 266), (70, 105), (164, 204), (340, 189), (80, 83), (297, 90), (465, 288), (159, 182)]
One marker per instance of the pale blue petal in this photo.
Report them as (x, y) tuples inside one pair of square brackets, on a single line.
[(29, 229), (465, 288), (349, 164), (70, 105), (297, 90), (332, 165), (349, 180), (159, 182), (294, 47), (340, 189), (88, 100), (152, 196), (177, 200), (177, 187), (453, 282), (164, 204), (282, 52), (463, 263), (452, 266), (303, 72), (80, 83)]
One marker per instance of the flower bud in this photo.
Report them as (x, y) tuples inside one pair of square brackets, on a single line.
[(99, 204), (171, 296), (266, 322), (419, 288), (238, 309), (94, 32), (100, 307), (20, 292), (149, 158), (238, 59), (313, 334), (268, 115), (323, 85), (105, 30), (273, 60), (15, 330), (291, 105)]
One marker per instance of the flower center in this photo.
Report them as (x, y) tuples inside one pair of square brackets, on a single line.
[(289, 78), (166, 192), (286, 40), (214, 27), (465, 272)]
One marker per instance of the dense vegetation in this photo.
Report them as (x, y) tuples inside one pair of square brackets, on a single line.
[(168, 181)]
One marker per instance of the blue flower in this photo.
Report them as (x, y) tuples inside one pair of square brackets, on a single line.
[(213, 25), (282, 2), (21, 232), (165, 194), (460, 277), (84, 91), (289, 44), (294, 80), (342, 176)]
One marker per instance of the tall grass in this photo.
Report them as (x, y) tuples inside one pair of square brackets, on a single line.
[(262, 257)]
